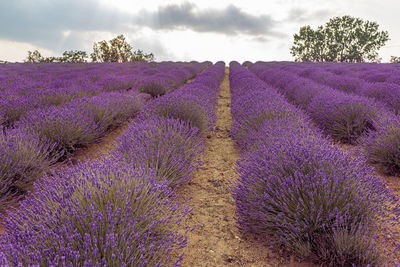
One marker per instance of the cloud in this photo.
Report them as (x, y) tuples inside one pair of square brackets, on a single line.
[(43, 22), (230, 20), (62, 25), (151, 44), (297, 15)]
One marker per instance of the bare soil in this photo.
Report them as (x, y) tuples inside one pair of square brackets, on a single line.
[(216, 240), (104, 147)]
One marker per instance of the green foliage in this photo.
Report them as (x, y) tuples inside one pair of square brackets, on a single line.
[(67, 56), (34, 56), (394, 59), (74, 56), (138, 55), (117, 50), (342, 39)]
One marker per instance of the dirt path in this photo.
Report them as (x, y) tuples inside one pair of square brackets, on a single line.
[(216, 240), (106, 145)]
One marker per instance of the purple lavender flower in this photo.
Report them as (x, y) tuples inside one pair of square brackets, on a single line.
[(96, 214), (295, 188), (68, 127), (23, 159), (169, 147)]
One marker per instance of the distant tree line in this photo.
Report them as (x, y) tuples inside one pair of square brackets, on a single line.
[(67, 56), (114, 50)]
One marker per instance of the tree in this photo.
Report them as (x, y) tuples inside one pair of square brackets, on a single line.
[(138, 55), (34, 56), (117, 50), (74, 56), (343, 39), (67, 56), (394, 59)]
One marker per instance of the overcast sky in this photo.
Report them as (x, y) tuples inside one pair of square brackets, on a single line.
[(181, 30)]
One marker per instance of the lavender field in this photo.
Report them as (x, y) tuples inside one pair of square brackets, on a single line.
[(253, 164)]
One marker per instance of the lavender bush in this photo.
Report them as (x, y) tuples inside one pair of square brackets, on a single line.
[(23, 159), (193, 103), (118, 83), (169, 147), (386, 93), (343, 117), (297, 190), (383, 147), (182, 108), (325, 194), (154, 86), (110, 109), (65, 126), (95, 214)]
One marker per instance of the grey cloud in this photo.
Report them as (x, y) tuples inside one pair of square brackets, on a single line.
[(152, 45), (260, 39), (230, 20), (42, 22), (301, 15)]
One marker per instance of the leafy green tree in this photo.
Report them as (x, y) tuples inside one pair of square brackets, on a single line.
[(34, 56), (342, 39), (138, 55), (74, 56), (67, 56), (394, 59), (117, 50), (50, 59)]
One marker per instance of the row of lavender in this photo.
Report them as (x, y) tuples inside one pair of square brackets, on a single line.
[(122, 210), (346, 117), (375, 73), (55, 84), (19, 79), (370, 72), (47, 135), (384, 91), (297, 190)]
